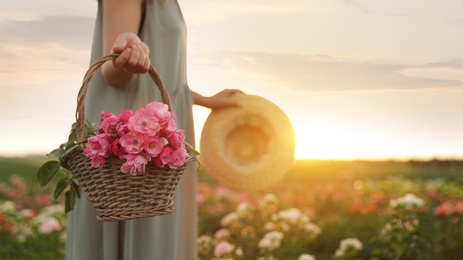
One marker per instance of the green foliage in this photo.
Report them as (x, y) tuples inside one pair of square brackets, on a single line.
[(49, 169)]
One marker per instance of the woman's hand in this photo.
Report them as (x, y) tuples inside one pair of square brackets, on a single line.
[(222, 99), (133, 59), (134, 54)]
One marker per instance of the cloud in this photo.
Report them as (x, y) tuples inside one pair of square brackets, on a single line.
[(67, 31), (211, 11), (333, 73), (365, 9), (451, 70)]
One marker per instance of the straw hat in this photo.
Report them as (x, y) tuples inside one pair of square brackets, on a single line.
[(249, 147)]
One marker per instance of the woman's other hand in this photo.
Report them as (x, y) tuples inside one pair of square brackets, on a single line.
[(222, 99)]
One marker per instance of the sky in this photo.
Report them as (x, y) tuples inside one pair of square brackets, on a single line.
[(358, 79)]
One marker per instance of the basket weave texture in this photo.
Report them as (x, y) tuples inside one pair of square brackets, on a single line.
[(115, 195)]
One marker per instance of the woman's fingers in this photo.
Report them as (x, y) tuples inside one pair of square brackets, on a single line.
[(133, 59)]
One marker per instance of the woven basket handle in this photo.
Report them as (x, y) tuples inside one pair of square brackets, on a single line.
[(80, 111)]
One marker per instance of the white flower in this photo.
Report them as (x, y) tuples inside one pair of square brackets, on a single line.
[(265, 243), (284, 226), (229, 218), (351, 243), (313, 229), (292, 215), (8, 207), (268, 243), (239, 251), (274, 235), (243, 208), (27, 213), (271, 240), (269, 226), (49, 225), (349, 246), (306, 257), (267, 200), (204, 239), (409, 201)]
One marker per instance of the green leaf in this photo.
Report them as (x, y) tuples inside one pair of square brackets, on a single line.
[(60, 187), (47, 171), (58, 152), (76, 188), (72, 140), (70, 200)]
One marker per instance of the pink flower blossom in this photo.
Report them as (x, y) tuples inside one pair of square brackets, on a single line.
[(145, 122), (153, 145), (125, 116), (170, 126), (138, 137), (98, 161), (174, 158), (133, 143), (176, 138), (160, 110), (164, 157), (223, 248), (445, 209), (108, 123), (178, 158), (43, 200), (459, 207), (122, 128), (49, 225), (135, 163), (117, 149), (97, 145)]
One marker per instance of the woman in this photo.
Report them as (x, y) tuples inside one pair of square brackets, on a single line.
[(142, 32)]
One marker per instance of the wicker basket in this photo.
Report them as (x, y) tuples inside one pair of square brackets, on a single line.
[(117, 196)]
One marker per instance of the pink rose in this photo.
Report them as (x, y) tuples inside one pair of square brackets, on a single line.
[(164, 157), (223, 248), (104, 115), (170, 126), (49, 225), (122, 129), (173, 157), (125, 116), (178, 158), (160, 110), (97, 145), (153, 145), (176, 138), (98, 161), (135, 163), (108, 122), (117, 149), (145, 122), (132, 143)]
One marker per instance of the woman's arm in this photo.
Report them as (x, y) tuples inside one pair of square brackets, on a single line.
[(220, 100), (121, 23)]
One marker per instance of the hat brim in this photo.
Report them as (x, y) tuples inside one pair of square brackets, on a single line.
[(247, 147)]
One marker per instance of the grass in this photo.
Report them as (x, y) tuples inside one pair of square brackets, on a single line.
[(25, 167), (302, 170)]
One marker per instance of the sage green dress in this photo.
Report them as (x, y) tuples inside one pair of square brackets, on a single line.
[(167, 237)]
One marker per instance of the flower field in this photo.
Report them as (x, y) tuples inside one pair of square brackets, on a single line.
[(320, 210)]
